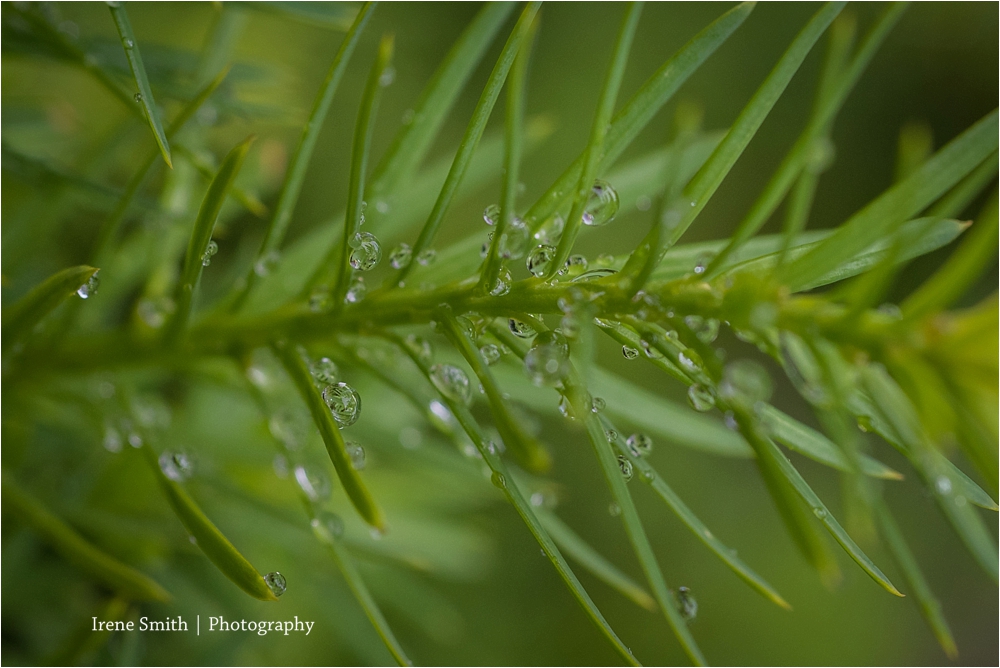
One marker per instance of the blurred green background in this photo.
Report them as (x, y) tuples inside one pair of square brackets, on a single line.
[(460, 579)]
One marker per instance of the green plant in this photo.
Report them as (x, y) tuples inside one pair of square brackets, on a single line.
[(291, 326)]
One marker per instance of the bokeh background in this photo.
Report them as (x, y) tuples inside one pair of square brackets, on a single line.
[(460, 579)]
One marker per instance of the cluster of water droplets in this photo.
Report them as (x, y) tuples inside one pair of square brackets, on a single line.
[(366, 252), (89, 289)]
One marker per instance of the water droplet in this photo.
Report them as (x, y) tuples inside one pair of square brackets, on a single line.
[(706, 329), (593, 275), (943, 484), (498, 480), (420, 347), (649, 349), (210, 250), (332, 522), (320, 299), (548, 233), (502, 285), (597, 405), (865, 424), (625, 466), (521, 330), (614, 509), (176, 465), (547, 363), (701, 398), (426, 256), (687, 604), (642, 203), (387, 77), (629, 353), (745, 382), (491, 214), (539, 259), (129, 43), (276, 583), (367, 251), (514, 240), (356, 452), (701, 263), (575, 264), (819, 512), (315, 484), (282, 428), (602, 205), (325, 371), (490, 353), (344, 403), (401, 256), (357, 291), (729, 419), (112, 439), (639, 444), (891, 311), (266, 264), (451, 382), (89, 289), (280, 466), (154, 310)]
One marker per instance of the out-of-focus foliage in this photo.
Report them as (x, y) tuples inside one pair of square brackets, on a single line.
[(732, 313)]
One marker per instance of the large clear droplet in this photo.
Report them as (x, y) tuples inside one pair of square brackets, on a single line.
[(367, 251), (539, 259), (276, 583), (547, 363), (452, 382), (602, 205), (401, 256), (344, 403), (701, 398), (89, 289), (629, 353)]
